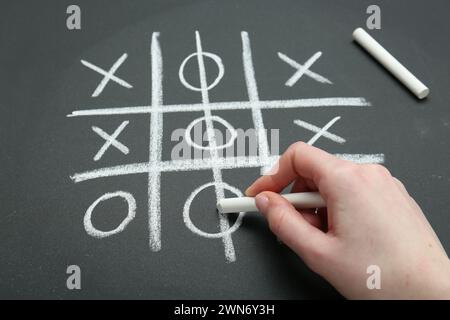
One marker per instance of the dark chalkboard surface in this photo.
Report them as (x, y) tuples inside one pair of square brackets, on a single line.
[(50, 179)]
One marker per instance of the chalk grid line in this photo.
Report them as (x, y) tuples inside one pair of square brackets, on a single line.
[(155, 147), (155, 166)]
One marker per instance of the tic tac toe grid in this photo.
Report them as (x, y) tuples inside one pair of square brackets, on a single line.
[(154, 167)]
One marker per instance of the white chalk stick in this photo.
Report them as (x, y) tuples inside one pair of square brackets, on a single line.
[(302, 200), (390, 63)]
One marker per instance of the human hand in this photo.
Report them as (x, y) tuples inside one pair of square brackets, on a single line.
[(370, 219)]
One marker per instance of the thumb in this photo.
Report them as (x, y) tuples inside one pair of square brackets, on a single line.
[(309, 242)]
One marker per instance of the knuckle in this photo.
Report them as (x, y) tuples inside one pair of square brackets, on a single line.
[(379, 170), (347, 172), (397, 181), (296, 146)]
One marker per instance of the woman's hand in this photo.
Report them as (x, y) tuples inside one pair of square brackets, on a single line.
[(370, 219)]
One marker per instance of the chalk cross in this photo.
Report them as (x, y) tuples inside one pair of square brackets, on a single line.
[(321, 131), (303, 69), (110, 140), (108, 75)]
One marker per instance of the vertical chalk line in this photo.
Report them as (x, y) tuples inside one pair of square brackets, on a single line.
[(230, 254), (155, 147), (253, 96)]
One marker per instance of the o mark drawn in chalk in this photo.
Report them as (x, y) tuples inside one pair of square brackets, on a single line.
[(187, 205), (91, 230), (226, 124), (214, 57), (108, 75), (303, 69), (111, 140), (321, 132)]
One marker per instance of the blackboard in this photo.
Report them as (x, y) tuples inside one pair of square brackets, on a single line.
[(43, 80)]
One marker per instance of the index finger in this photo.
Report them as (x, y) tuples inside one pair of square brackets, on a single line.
[(299, 160)]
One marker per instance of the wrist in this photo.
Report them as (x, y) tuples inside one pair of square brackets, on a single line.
[(442, 283), (429, 281), (446, 286)]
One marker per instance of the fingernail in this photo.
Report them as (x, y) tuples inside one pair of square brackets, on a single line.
[(273, 170), (262, 202), (248, 191)]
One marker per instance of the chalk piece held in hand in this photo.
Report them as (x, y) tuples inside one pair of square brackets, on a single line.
[(390, 63), (302, 200)]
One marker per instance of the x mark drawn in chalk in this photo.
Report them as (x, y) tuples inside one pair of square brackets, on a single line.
[(108, 75), (321, 132), (111, 140), (303, 69)]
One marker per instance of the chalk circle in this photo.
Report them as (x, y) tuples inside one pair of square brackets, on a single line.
[(215, 58), (226, 124), (187, 206), (92, 231)]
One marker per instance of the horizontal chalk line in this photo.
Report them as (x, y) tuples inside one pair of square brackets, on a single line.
[(204, 164), (232, 105)]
